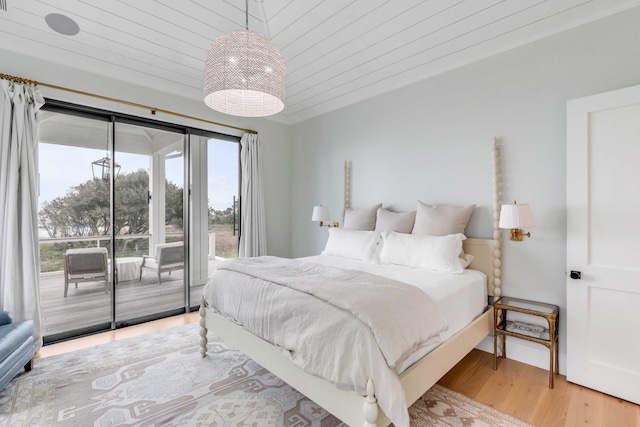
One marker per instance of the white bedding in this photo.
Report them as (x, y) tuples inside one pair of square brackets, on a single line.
[(460, 298)]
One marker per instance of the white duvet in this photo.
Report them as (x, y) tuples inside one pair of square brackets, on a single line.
[(460, 298), (342, 325)]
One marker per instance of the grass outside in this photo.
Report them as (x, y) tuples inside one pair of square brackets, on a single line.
[(226, 242)]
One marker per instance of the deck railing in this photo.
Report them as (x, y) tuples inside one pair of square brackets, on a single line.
[(99, 239), (52, 261)]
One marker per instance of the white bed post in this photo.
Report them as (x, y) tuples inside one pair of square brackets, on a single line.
[(370, 409), (497, 251), (203, 328)]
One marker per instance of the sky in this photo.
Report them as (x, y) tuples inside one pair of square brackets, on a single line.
[(224, 173), (61, 167)]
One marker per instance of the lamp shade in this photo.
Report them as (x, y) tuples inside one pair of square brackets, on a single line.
[(244, 75), (516, 216), (320, 213)]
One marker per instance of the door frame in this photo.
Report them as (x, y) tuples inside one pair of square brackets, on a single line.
[(113, 118)]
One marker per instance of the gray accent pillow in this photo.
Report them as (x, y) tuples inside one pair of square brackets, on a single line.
[(440, 220), (361, 219), (401, 222)]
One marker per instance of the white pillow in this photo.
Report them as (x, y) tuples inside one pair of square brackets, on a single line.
[(361, 219), (438, 253), (402, 222), (352, 244), (440, 220)]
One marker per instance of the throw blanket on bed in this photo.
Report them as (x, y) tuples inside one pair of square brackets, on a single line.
[(342, 325)]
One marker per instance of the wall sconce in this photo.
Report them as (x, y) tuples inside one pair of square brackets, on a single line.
[(321, 213), (515, 217)]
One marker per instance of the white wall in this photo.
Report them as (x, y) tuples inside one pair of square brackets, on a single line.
[(431, 141), (275, 137)]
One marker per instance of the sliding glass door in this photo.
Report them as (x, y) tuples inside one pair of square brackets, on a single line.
[(74, 224), (215, 207), (148, 219), (117, 196)]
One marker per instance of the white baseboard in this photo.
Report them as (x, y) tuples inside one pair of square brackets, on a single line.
[(525, 352)]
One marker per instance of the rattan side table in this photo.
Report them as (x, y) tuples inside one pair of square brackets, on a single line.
[(526, 331)]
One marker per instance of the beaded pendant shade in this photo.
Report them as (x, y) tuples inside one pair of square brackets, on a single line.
[(244, 75)]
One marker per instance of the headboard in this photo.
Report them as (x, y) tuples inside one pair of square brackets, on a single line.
[(487, 252), (483, 259)]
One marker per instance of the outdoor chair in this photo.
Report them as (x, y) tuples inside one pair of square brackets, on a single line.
[(86, 265), (167, 258)]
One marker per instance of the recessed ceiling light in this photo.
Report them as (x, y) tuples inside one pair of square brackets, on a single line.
[(62, 24)]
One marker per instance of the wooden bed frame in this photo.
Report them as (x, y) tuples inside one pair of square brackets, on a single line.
[(349, 407)]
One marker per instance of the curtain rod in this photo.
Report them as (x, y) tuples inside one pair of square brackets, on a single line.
[(120, 101)]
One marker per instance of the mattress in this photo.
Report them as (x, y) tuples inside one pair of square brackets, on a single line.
[(460, 298)]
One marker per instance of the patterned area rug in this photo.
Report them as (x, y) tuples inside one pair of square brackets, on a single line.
[(160, 379)]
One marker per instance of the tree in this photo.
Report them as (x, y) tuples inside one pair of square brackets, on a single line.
[(85, 209), (173, 200), (221, 217), (132, 213)]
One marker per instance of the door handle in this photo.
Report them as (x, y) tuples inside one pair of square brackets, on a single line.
[(576, 275)]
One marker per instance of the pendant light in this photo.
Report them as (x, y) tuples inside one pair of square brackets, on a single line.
[(103, 167), (244, 74)]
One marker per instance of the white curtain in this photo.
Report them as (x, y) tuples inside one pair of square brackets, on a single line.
[(253, 237), (19, 248)]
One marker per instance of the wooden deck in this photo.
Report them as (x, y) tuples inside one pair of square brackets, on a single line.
[(90, 305)]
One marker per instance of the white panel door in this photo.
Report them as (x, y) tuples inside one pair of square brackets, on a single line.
[(603, 236)]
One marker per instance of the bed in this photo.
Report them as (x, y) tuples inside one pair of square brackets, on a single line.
[(421, 369)]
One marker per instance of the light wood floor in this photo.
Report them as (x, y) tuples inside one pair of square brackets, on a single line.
[(515, 388), (522, 391)]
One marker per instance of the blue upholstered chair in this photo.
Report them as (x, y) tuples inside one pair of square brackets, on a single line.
[(17, 347)]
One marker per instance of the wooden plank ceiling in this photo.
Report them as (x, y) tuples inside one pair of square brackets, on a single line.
[(337, 52)]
